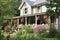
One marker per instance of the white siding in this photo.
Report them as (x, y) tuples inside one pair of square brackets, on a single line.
[(21, 12), (34, 10), (56, 23), (39, 10), (59, 23), (44, 9), (29, 10), (26, 5)]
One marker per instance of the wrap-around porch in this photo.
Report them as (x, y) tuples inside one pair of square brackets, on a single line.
[(35, 19)]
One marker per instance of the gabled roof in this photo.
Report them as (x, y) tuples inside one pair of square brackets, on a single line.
[(39, 2), (34, 3), (30, 2), (27, 1)]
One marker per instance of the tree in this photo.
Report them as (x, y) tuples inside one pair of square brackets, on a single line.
[(8, 8), (53, 8)]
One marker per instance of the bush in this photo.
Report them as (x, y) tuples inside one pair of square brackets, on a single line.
[(31, 37), (58, 36), (26, 36), (29, 29), (52, 31)]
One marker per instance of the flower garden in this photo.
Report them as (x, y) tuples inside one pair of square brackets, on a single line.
[(28, 33)]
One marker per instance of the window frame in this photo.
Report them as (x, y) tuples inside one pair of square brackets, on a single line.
[(25, 10)]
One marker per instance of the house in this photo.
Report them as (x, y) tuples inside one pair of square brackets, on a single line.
[(33, 12), (30, 9)]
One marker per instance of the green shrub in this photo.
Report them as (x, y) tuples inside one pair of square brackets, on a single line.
[(26, 37), (12, 38), (27, 34), (58, 36), (45, 34), (42, 33), (29, 29), (52, 31), (31, 37)]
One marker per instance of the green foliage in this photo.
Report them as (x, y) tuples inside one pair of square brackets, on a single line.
[(58, 35), (29, 29), (14, 38), (51, 39), (44, 34), (27, 37), (53, 4), (0, 34), (2, 37), (52, 31), (53, 9), (23, 34), (51, 34), (8, 9)]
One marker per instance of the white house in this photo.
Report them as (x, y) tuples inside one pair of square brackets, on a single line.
[(33, 12), (28, 7)]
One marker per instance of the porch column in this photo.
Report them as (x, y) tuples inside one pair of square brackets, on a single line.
[(35, 21), (17, 21), (25, 20), (59, 23)]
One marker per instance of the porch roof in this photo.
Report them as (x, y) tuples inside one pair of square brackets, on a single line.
[(27, 15)]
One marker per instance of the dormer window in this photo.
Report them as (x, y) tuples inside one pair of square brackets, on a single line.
[(25, 10)]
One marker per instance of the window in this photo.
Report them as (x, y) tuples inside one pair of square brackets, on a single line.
[(25, 10), (44, 9)]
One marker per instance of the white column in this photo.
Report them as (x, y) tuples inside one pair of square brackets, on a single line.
[(25, 20), (35, 21), (56, 23)]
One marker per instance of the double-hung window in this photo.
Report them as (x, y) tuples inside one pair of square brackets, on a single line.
[(25, 10)]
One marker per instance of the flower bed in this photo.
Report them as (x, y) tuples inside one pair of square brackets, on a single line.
[(40, 27)]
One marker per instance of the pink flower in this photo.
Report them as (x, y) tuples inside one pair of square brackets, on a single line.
[(40, 27)]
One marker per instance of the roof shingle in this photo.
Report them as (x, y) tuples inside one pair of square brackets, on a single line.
[(30, 2), (39, 1), (33, 3)]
